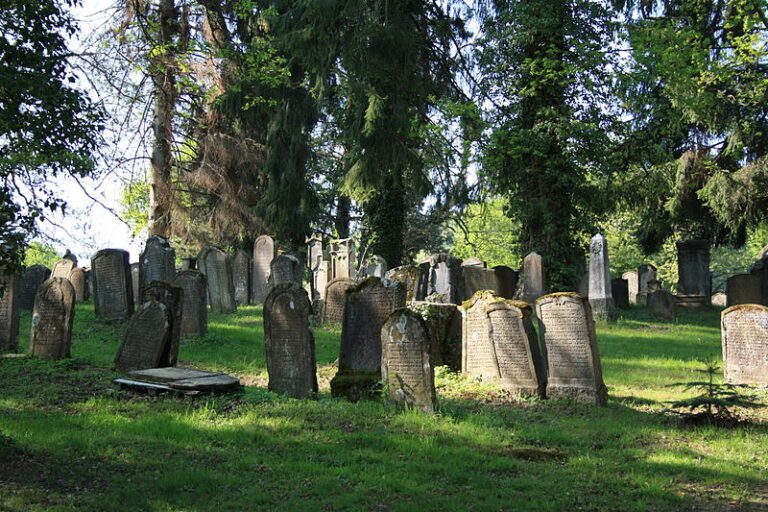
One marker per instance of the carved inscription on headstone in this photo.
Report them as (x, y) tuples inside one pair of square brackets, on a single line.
[(289, 343), (172, 297), (285, 269), (77, 278), (744, 333), (335, 299), (241, 276), (52, 318), (31, 279), (9, 312), (62, 268), (112, 288), (264, 251), (409, 275), (573, 361), (194, 314), (145, 339), (217, 267), (157, 262), (406, 369)]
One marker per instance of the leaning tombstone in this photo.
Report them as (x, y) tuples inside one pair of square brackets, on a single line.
[(632, 285), (241, 276), (9, 312), (499, 345), (473, 262), (744, 334), (620, 292), (409, 275), (31, 279), (77, 278), (645, 274), (52, 318), (289, 343), (217, 267), (172, 297), (719, 299), (145, 339), (568, 334), (532, 285), (157, 262), (694, 285), (475, 278), (285, 269), (600, 296), (112, 288), (444, 325), (264, 252), (62, 268), (661, 304), (441, 279), (335, 297), (194, 312), (744, 289), (406, 367), (367, 305)]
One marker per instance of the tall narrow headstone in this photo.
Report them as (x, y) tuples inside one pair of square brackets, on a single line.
[(620, 292), (694, 285), (31, 279), (444, 325), (241, 276), (315, 250), (285, 269), (367, 305), (600, 295), (499, 344), (507, 279), (744, 289), (157, 262), (135, 281), (172, 297), (9, 312), (217, 267), (632, 285), (645, 274), (409, 275), (264, 252), (194, 314), (744, 334), (289, 343), (406, 367), (342, 253), (77, 278), (335, 298), (52, 318), (568, 332), (533, 278), (441, 279), (145, 339), (319, 281), (62, 268), (475, 278), (112, 288)]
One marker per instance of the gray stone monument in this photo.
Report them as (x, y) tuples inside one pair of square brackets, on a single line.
[(289, 343), (661, 304), (375, 266), (694, 285), (145, 339), (285, 268), (475, 278), (112, 288), (532, 286), (78, 280), (319, 281), (135, 281), (645, 274), (342, 253), (744, 289), (9, 312), (31, 279), (157, 262), (217, 267), (367, 306), (172, 297), (52, 318), (264, 251), (62, 268), (315, 250), (444, 324), (600, 295), (241, 276), (406, 367), (409, 275), (744, 334), (335, 298), (499, 345), (632, 285), (194, 314), (620, 292), (440, 279), (568, 333), (507, 280)]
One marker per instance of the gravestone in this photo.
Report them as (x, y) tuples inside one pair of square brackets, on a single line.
[(319, 282), (264, 252), (62, 268), (507, 281), (661, 304), (69, 255), (744, 334), (645, 274), (475, 278), (52, 317), (367, 305), (89, 281), (112, 288), (441, 279), (444, 325), (289, 343), (719, 299), (473, 262), (744, 289), (194, 313), (694, 285), (620, 292), (146, 338), (375, 266), (409, 276), (632, 285), (188, 263), (217, 267), (568, 333), (157, 262), (135, 280), (760, 269), (581, 277), (77, 278), (285, 268), (241, 276), (31, 279), (600, 295), (406, 368), (532, 285), (499, 345), (172, 297), (9, 312), (342, 253), (335, 298), (315, 251)]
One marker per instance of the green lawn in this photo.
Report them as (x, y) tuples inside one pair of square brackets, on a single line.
[(70, 441)]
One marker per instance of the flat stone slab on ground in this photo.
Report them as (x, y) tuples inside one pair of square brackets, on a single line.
[(217, 383), (184, 379), (169, 374)]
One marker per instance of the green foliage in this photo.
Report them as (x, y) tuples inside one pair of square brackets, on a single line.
[(39, 253), (486, 232), (134, 206)]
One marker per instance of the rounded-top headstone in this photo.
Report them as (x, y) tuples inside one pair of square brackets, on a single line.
[(264, 251), (52, 318), (217, 267), (112, 287), (335, 298), (744, 332), (157, 262), (194, 315)]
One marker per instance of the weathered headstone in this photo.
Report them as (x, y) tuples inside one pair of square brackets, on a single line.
[(241, 276), (52, 317), (507, 280), (112, 288), (694, 285), (188, 263), (367, 305), (62, 268), (568, 332), (217, 267), (157, 262), (172, 297), (194, 314), (533, 278), (375, 266), (31, 279), (600, 296), (319, 281), (620, 292), (335, 298), (581, 277), (661, 304), (77, 278), (409, 275), (69, 255), (441, 279), (719, 299), (342, 253), (135, 281), (9, 312), (264, 252), (315, 250), (744, 334), (145, 339), (444, 325), (475, 278), (744, 289), (285, 269), (645, 274), (406, 367), (289, 343), (499, 344), (473, 262), (632, 285)]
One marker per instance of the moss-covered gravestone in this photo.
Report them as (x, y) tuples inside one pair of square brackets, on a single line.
[(444, 326), (409, 275)]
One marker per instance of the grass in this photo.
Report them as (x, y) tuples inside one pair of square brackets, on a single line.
[(70, 441)]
